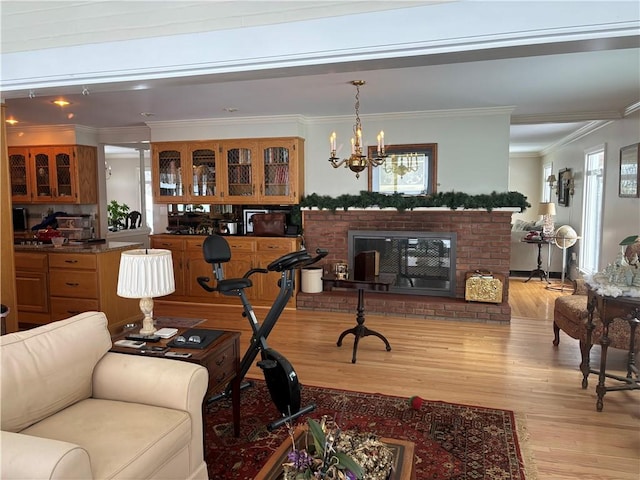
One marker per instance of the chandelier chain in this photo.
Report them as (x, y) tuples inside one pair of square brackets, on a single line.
[(358, 161), (358, 126)]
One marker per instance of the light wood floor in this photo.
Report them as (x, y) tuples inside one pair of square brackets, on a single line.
[(513, 367)]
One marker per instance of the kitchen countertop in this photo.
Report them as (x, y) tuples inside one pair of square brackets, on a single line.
[(81, 248)]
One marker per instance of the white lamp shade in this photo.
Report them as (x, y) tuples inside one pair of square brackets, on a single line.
[(145, 273), (547, 208)]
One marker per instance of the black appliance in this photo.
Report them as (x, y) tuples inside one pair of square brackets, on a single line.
[(20, 219)]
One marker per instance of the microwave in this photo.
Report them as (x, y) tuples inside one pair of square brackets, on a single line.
[(20, 219)]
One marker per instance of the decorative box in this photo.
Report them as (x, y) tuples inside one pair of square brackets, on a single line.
[(483, 287)]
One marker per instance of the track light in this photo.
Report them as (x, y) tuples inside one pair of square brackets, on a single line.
[(32, 94), (85, 91)]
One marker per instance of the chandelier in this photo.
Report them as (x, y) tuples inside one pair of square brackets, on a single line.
[(400, 165), (358, 161)]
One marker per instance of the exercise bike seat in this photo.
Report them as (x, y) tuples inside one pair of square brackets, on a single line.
[(233, 284)]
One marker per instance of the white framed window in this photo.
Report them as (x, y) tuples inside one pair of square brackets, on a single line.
[(592, 209), (547, 170)]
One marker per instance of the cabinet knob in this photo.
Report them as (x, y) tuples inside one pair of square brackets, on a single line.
[(221, 360), (72, 284), (71, 261)]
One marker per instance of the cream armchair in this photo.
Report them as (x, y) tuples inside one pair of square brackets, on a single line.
[(73, 410)]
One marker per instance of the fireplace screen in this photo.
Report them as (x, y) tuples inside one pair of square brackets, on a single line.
[(417, 263)]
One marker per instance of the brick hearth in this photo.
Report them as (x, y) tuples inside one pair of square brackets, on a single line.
[(483, 242)]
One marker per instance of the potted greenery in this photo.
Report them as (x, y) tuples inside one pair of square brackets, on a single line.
[(117, 213)]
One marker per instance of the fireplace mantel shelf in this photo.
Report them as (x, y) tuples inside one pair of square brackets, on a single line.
[(417, 209)]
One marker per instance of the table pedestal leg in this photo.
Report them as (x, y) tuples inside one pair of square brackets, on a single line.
[(538, 270), (360, 330)]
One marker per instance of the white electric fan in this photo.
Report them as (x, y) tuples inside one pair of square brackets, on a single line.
[(564, 238)]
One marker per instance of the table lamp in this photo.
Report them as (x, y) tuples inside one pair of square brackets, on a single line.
[(145, 274), (547, 210)]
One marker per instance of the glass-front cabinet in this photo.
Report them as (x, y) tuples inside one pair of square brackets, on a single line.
[(241, 167), (53, 174), (20, 174), (281, 163), (186, 172), (242, 171)]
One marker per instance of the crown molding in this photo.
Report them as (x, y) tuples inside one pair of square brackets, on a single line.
[(425, 114), (525, 155), (565, 117), (633, 108), (216, 122), (578, 134)]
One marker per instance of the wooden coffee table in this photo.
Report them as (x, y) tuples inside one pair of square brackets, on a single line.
[(221, 359), (403, 454)]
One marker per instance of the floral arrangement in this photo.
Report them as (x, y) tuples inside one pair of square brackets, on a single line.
[(338, 455)]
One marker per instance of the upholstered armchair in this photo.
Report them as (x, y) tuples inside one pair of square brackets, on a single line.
[(73, 410), (570, 315)]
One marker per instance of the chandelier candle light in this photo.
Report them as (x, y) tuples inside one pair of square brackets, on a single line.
[(145, 274), (357, 161)]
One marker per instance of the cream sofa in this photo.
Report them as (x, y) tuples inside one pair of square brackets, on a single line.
[(72, 410)]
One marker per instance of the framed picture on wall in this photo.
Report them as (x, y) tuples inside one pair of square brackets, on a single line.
[(563, 187), (629, 171)]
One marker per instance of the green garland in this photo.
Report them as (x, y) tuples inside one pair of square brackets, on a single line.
[(452, 200)]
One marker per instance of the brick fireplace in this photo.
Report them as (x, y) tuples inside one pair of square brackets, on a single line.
[(483, 243)]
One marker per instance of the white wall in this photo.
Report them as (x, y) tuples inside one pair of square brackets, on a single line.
[(525, 173), (621, 216), (473, 149)]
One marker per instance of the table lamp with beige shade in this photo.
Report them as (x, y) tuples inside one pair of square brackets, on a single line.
[(548, 211), (146, 274)]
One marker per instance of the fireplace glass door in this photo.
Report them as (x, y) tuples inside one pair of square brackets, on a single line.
[(417, 263)]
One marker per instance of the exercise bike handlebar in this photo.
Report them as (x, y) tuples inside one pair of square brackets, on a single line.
[(295, 260)]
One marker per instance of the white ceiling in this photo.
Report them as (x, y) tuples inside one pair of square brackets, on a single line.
[(555, 89)]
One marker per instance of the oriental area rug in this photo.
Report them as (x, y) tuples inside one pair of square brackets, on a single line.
[(452, 442)]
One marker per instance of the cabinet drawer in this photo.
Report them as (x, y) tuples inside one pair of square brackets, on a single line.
[(167, 243), (277, 246), (241, 245), (62, 308), (221, 367), (73, 260), (31, 261), (194, 244), (73, 284)]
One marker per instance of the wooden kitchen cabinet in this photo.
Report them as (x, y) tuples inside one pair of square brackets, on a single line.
[(240, 159), (268, 249), (186, 172), (80, 282), (54, 174), (247, 252), (59, 283), (243, 171), (176, 245), (32, 287), (282, 170), (196, 267), (264, 171)]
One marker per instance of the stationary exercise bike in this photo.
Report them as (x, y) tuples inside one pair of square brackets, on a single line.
[(279, 374)]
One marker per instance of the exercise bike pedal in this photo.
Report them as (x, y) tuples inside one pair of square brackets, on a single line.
[(267, 364)]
